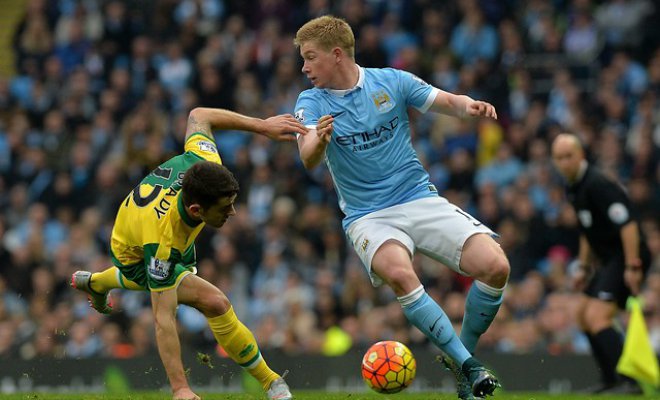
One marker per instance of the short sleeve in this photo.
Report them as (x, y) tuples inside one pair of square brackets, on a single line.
[(307, 110), (416, 91), (203, 146), (612, 201)]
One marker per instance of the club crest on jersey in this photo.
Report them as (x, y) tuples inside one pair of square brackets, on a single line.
[(207, 146), (159, 269), (382, 101)]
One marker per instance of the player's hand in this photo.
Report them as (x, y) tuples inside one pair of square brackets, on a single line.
[(324, 128), (185, 394), (478, 108), (633, 279), (580, 278), (281, 127)]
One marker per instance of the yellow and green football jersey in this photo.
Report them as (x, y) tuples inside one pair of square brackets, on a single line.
[(153, 238)]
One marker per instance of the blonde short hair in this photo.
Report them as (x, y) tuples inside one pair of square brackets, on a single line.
[(328, 32)]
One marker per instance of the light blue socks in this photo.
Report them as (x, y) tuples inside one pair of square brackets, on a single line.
[(429, 318), (481, 307)]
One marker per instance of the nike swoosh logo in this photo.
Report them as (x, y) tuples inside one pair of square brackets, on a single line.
[(432, 327), (337, 114)]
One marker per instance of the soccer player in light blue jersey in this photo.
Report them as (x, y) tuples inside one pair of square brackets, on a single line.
[(358, 124)]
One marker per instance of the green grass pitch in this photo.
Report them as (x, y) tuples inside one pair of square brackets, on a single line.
[(307, 396)]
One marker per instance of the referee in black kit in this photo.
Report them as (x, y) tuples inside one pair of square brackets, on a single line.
[(613, 258)]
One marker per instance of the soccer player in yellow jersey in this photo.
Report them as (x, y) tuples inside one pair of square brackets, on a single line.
[(153, 245)]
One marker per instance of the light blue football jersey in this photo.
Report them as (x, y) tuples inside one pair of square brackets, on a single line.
[(371, 157)]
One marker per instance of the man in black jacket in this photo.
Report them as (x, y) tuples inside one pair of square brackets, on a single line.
[(612, 255)]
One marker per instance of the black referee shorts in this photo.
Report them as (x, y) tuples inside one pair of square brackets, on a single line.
[(607, 283)]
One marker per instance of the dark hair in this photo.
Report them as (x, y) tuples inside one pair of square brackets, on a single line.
[(206, 182)]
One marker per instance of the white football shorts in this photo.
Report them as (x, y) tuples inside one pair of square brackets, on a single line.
[(433, 226)]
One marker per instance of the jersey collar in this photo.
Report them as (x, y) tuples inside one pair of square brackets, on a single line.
[(581, 171), (184, 215), (344, 92)]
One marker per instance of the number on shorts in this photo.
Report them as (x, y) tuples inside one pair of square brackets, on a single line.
[(468, 216)]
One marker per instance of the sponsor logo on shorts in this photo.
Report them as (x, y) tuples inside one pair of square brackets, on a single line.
[(605, 296), (159, 269)]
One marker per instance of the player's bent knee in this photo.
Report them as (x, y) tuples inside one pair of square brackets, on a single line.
[(501, 268), (401, 279), (495, 273), (214, 305), (598, 315), (594, 325)]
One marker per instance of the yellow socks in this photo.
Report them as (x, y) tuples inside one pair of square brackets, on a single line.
[(239, 343), (111, 278)]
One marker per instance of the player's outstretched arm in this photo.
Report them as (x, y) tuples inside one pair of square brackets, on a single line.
[(462, 106), (280, 127), (164, 308), (312, 147)]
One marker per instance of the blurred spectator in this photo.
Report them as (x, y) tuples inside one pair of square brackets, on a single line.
[(621, 21), (393, 37), (502, 171), (582, 41), (473, 39), (34, 40), (268, 284), (175, 71), (558, 324), (203, 12), (370, 53), (73, 46), (81, 343)]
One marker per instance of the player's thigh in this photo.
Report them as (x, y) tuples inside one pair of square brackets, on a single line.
[(440, 230), (581, 308), (392, 262), (369, 233), (198, 293), (599, 314)]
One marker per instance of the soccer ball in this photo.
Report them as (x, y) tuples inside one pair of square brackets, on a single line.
[(388, 367)]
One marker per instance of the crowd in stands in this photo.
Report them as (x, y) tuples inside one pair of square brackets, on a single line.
[(101, 97)]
